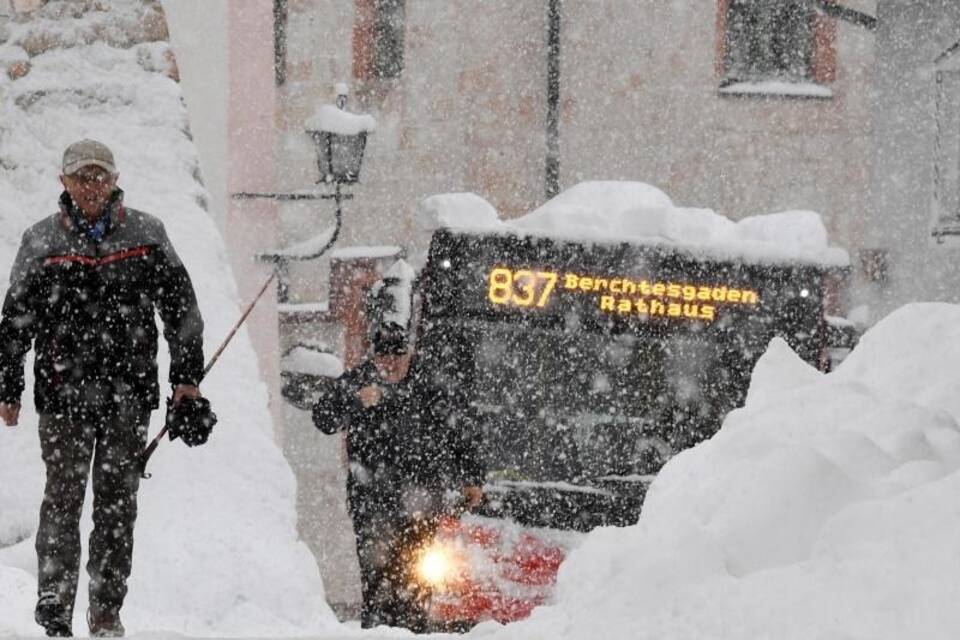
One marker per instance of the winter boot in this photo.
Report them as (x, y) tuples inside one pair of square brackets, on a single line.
[(53, 616), (105, 624)]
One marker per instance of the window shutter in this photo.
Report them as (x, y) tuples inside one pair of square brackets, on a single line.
[(824, 64), (364, 39), (720, 41), (378, 39)]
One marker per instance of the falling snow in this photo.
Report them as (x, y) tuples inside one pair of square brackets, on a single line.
[(680, 285)]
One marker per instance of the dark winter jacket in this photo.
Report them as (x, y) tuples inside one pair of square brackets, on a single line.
[(417, 434), (88, 307)]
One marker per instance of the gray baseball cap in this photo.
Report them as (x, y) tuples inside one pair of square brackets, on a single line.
[(85, 153)]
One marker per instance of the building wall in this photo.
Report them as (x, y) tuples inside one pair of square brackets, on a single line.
[(251, 226), (909, 37), (639, 102), (642, 104), (225, 56), (200, 40), (466, 115)]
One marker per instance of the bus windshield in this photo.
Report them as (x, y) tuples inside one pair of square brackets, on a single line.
[(587, 364)]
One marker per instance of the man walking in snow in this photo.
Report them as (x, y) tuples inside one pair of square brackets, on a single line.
[(408, 446), (83, 290)]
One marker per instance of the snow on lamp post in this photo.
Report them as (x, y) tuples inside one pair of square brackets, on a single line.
[(340, 138)]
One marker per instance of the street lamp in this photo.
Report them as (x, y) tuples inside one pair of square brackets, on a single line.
[(340, 138)]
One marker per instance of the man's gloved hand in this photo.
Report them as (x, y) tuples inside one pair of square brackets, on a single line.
[(182, 391), (191, 419)]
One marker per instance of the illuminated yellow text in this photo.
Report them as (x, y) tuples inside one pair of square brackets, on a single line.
[(523, 288), (622, 296), (663, 290)]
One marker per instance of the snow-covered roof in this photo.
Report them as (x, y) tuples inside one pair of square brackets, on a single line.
[(606, 212), (370, 252), (322, 306)]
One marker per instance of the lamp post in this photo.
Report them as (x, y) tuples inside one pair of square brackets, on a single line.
[(340, 138)]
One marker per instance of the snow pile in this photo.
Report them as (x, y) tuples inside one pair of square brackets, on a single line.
[(825, 508), (592, 202), (613, 211), (10, 54), (216, 550), (68, 23), (311, 362), (638, 212), (778, 371), (457, 210)]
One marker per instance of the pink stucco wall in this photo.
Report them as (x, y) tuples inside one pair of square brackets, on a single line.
[(251, 226)]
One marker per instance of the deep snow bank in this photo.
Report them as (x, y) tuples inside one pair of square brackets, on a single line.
[(825, 508), (216, 550)]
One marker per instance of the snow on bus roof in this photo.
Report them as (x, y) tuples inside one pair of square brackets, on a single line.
[(612, 211), (459, 211)]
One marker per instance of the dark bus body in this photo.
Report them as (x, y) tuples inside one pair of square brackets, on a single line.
[(587, 365)]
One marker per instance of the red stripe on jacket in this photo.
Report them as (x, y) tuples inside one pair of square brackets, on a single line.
[(96, 262)]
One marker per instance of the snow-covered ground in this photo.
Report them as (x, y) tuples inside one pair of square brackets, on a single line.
[(216, 548)]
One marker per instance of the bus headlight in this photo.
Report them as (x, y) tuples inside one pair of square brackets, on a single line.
[(437, 565)]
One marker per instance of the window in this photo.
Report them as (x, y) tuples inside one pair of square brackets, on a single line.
[(775, 46), (768, 40), (378, 36)]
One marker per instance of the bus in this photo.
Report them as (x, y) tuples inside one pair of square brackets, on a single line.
[(588, 362), (587, 365)]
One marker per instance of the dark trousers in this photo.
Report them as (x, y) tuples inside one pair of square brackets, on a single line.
[(69, 443), (388, 539)]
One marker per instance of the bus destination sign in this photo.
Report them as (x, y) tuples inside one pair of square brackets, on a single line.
[(617, 295)]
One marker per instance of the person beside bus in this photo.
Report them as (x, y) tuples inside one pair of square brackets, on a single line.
[(409, 449)]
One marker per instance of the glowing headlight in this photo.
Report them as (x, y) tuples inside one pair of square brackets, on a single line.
[(436, 565)]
